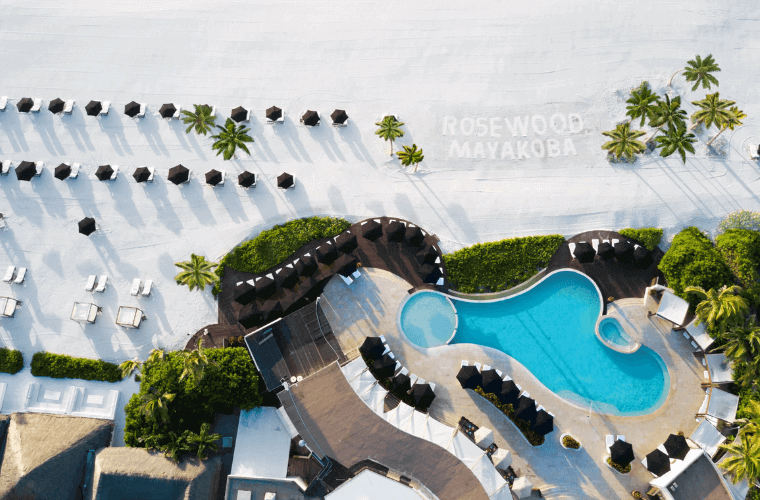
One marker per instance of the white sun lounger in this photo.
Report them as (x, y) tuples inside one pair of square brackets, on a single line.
[(614, 241), (143, 108), (37, 105), (694, 345), (464, 363), (754, 152), (20, 276), (477, 365), (346, 279), (106, 105), (39, 165), (391, 355), (102, 282), (595, 244), (609, 440), (3, 102), (386, 350), (356, 274), (9, 274), (147, 288), (432, 386), (74, 171), (135, 286), (68, 107), (571, 246), (507, 378), (486, 368), (620, 437), (404, 371), (382, 339), (413, 379), (177, 113), (90, 283), (5, 168)]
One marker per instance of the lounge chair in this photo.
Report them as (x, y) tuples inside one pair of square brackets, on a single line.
[(346, 279), (432, 386), (3, 102), (143, 108), (500, 374), (37, 105), (571, 246), (754, 151), (356, 274), (526, 394), (609, 440), (90, 283), (420, 381), (694, 345), (39, 165), (464, 363), (74, 171), (387, 350), (5, 168), (391, 355), (102, 282), (69, 107), (382, 339), (177, 113), (595, 244), (413, 379), (614, 241), (620, 437), (106, 105), (519, 388), (486, 368), (146, 289), (404, 371), (2, 221), (685, 335), (20, 276), (507, 378), (477, 365), (135, 287), (9, 274)]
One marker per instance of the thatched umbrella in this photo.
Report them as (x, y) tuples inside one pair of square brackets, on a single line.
[(584, 252), (167, 110), (239, 114), (285, 180), (56, 106), (274, 113), (246, 293), (605, 250), (246, 179), (339, 116), (25, 105), (132, 109), (383, 367), (491, 382), (658, 463), (142, 174), (526, 409), (26, 171), (213, 177), (265, 287), (430, 273), (544, 423), (310, 118), (427, 255), (179, 174), (642, 258), (327, 254), (509, 393), (621, 452), (423, 396), (413, 236), (87, 226), (395, 231), (62, 171), (401, 383), (306, 266), (469, 377), (287, 277), (347, 243), (676, 446), (372, 348), (104, 172), (624, 252), (372, 230), (93, 108)]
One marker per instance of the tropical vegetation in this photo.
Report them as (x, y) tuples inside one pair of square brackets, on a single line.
[(740, 249), (508, 410), (676, 139), (734, 120), (699, 71), (641, 104), (667, 113), (741, 219), (231, 136), (713, 110), (196, 273), (411, 156), (624, 143), (389, 129), (45, 364), (201, 119), (648, 236), (719, 309), (11, 360)]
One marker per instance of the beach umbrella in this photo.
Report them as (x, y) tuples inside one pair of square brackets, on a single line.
[(658, 463), (327, 254), (141, 174), (676, 446), (265, 287), (348, 269), (544, 423), (26, 171), (56, 105), (430, 273), (372, 230), (621, 452), (246, 179), (469, 377), (372, 348), (179, 174), (395, 231), (422, 395), (285, 180), (93, 108), (413, 236), (526, 409), (213, 177), (274, 312), (246, 293), (427, 255), (642, 258), (624, 252), (584, 252), (605, 250), (509, 392), (167, 110), (401, 383), (132, 109), (383, 367), (25, 105), (287, 277), (62, 171), (310, 118), (491, 382), (87, 226), (347, 243), (274, 113), (239, 114), (339, 116), (104, 172), (306, 266), (249, 316)]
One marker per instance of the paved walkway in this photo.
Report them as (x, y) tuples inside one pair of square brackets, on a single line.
[(370, 307)]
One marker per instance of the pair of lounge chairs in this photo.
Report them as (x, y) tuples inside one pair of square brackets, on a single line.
[(90, 285), (413, 379), (609, 440), (348, 280), (137, 285), (11, 272)]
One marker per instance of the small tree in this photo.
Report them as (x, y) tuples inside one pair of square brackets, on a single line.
[(231, 137), (742, 342), (155, 406), (714, 111), (197, 272), (676, 140), (200, 120), (411, 156), (204, 441), (667, 113), (734, 120), (129, 366), (719, 308), (195, 363), (698, 71), (624, 141), (390, 129), (176, 445), (642, 104)]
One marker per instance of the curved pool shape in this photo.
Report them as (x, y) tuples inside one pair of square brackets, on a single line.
[(612, 331), (550, 329), (430, 319)]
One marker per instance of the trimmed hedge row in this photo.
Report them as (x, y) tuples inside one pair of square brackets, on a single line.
[(11, 361), (45, 364), (533, 437), (650, 237), (741, 250)]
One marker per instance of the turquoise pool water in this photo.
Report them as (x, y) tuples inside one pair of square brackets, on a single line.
[(611, 330), (550, 329), (433, 321)]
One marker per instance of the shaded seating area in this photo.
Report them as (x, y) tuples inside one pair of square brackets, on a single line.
[(310, 118), (240, 114), (179, 175), (339, 118), (274, 115), (247, 179), (106, 173)]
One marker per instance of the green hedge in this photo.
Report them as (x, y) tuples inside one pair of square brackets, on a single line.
[(273, 246), (692, 260), (741, 250), (45, 364), (533, 437), (11, 361), (500, 264), (650, 237)]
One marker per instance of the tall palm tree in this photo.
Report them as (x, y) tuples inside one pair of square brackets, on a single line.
[(200, 120), (742, 460), (734, 120), (698, 70), (390, 129), (667, 113), (411, 156), (154, 405), (676, 140), (751, 422), (742, 341), (197, 272), (714, 111), (204, 441), (231, 137), (719, 308), (195, 363), (155, 356), (129, 367), (624, 141), (641, 104)]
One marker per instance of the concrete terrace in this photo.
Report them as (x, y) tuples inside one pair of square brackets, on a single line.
[(370, 307)]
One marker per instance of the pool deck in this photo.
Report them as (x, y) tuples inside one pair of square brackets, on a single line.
[(370, 307)]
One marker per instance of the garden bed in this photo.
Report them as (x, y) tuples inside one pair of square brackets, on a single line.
[(533, 438), (45, 364), (570, 443), (617, 467)]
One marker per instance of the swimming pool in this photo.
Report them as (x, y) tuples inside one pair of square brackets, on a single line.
[(433, 321), (612, 331), (550, 329)]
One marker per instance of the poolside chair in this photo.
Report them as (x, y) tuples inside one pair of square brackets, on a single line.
[(432, 386), (595, 244), (387, 349), (507, 378), (382, 339), (2, 221), (3, 102), (694, 345), (685, 335), (37, 105), (404, 371), (147, 288), (526, 394), (609, 440), (464, 363), (90, 283), (614, 241), (754, 151), (420, 381), (5, 167), (413, 379), (135, 287), (74, 171), (20, 276), (143, 108), (519, 388), (102, 282), (356, 274), (571, 246), (486, 368), (346, 279), (620, 437), (39, 165), (106, 105), (477, 365), (9, 274), (69, 107), (391, 355)]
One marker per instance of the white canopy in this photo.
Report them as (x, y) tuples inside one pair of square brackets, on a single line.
[(368, 485), (362, 383), (522, 487), (719, 368), (488, 476), (375, 398), (84, 312), (503, 493), (418, 424), (723, 405), (465, 450), (708, 437), (672, 308), (700, 335), (484, 437), (502, 458), (439, 433), (399, 416), (354, 368)]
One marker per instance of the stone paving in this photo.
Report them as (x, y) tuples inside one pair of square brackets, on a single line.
[(370, 306)]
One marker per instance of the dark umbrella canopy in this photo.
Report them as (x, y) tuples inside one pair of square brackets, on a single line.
[(213, 177), (584, 252), (526, 409), (658, 463), (624, 251), (413, 236), (339, 116), (25, 105), (384, 367), (372, 230), (284, 180), (372, 348), (179, 174), (427, 255), (642, 258), (93, 108), (250, 316), (401, 383), (62, 171), (56, 105), (326, 254), (142, 174), (310, 118), (422, 395), (246, 293), (348, 269), (307, 266), (87, 226), (469, 377), (274, 113), (167, 110), (239, 114), (430, 273), (246, 179), (26, 171), (621, 452), (606, 251), (544, 423), (509, 393), (395, 231), (347, 243), (273, 312), (287, 277), (104, 172), (676, 446), (132, 109), (491, 382), (265, 287)]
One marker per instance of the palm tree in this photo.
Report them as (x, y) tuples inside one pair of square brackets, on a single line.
[(751, 423), (195, 363), (154, 405), (152, 441), (667, 113), (642, 104), (742, 458), (204, 441), (735, 118), (390, 129), (129, 366), (676, 140), (698, 70), (624, 141), (155, 356), (197, 272), (411, 156), (231, 137), (177, 444), (201, 120), (714, 111), (719, 308), (742, 342)]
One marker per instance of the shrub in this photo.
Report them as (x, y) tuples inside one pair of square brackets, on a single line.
[(533, 437), (11, 361), (618, 467), (741, 250), (648, 236), (273, 246), (569, 442), (500, 264), (45, 364), (743, 219), (692, 260)]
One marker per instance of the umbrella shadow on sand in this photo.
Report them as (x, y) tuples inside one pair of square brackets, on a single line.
[(288, 132), (44, 124), (149, 127), (111, 125), (76, 126), (12, 128)]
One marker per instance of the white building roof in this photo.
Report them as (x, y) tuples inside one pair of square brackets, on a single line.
[(263, 445), (371, 486)]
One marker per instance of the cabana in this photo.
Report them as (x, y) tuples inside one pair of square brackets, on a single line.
[(624, 252), (465, 450), (722, 405), (26, 171), (490, 381), (179, 174), (699, 334), (469, 377), (285, 181), (621, 452), (167, 111), (719, 368), (483, 437), (214, 177), (605, 251), (642, 258), (105, 173), (353, 369), (395, 231), (347, 243), (707, 437), (84, 312), (8, 306), (310, 118), (56, 106), (522, 487), (129, 317), (62, 171), (676, 446), (375, 398), (509, 392), (132, 109), (240, 114), (339, 118), (372, 230), (672, 308), (502, 458), (274, 114), (413, 236), (87, 226), (544, 423), (93, 108), (247, 179), (584, 252)]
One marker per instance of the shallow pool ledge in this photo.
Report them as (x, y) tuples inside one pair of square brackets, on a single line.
[(615, 347)]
